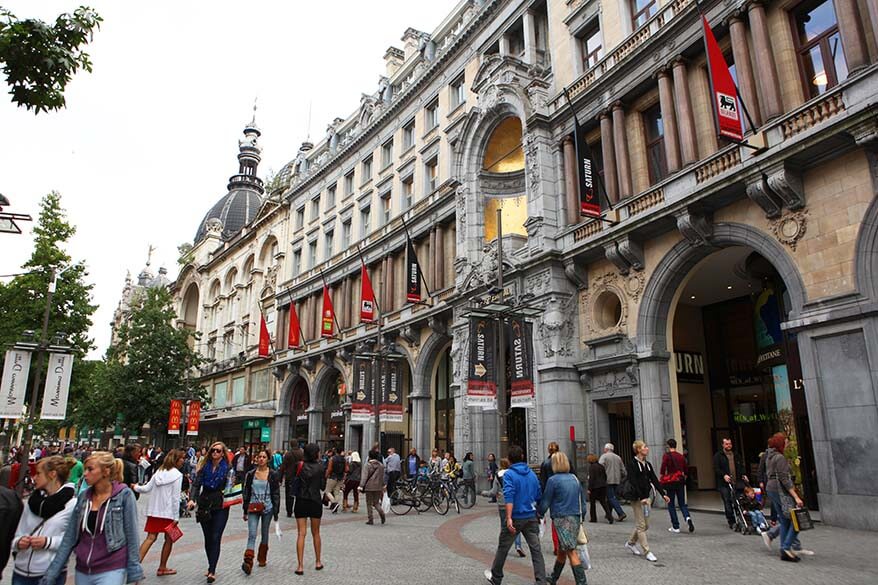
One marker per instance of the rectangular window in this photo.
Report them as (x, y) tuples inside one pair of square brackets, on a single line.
[(655, 144), (297, 263), (367, 170), (432, 114), (592, 49), (349, 184), (346, 235), (386, 205), (315, 207), (641, 11), (458, 92), (259, 385), (220, 391), (408, 135), (387, 154), (365, 221), (300, 218), (408, 192), (330, 196), (312, 254), (818, 44), (327, 247), (431, 169), (238, 386)]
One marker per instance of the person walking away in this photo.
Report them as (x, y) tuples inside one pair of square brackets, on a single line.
[(207, 492), (730, 478), (309, 505), (335, 472), (642, 476), (673, 479), (521, 493), (10, 513), (288, 475), (261, 504), (412, 463), (352, 482), (277, 460), (130, 475), (163, 509), (616, 474), (782, 493), (393, 468), (496, 496), (491, 472), (102, 529), (76, 467), (597, 489), (468, 474), (545, 474), (240, 464), (372, 484), (563, 498), (43, 522)]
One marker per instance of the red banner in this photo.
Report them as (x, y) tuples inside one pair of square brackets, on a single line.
[(725, 95), (264, 338), (367, 302), (193, 418), (175, 418), (327, 327), (293, 337)]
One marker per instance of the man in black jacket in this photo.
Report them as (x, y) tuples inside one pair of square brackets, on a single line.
[(730, 478), (130, 458), (10, 512)]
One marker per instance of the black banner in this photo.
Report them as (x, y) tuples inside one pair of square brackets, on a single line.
[(361, 399), (412, 274), (589, 199), (521, 354), (390, 409), (481, 386)]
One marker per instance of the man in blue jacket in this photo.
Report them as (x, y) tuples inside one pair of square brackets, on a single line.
[(521, 492)]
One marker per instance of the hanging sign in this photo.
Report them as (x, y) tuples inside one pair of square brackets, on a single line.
[(481, 388), (361, 401), (16, 369), (193, 418), (725, 94), (293, 338), (327, 327), (390, 408), (589, 202), (367, 297), (520, 336), (412, 274), (175, 418), (57, 386)]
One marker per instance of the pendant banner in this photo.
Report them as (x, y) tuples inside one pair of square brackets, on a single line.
[(175, 417), (327, 327), (193, 418), (16, 369), (57, 386), (722, 87), (412, 274), (481, 388), (362, 409), (589, 201), (264, 338), (367, 297), (390, 409), (293, 337), (521, 355)]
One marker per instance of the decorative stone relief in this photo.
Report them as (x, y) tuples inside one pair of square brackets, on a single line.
[(489, 98), (271, 275), (484, 271), (539, 282), (531, 156), (786, 183), (634, 284), (214, 227), (632, 252), (603, 307), (533, 449), (533, 225), (695, 227), (462, 194), (790, 227), (459, 345), (575, 274), (556, 327)]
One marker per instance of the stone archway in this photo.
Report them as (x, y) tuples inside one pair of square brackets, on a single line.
[(282, 423), (422, 382)]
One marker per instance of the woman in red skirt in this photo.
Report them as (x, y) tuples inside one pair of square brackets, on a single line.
[(163, 510)]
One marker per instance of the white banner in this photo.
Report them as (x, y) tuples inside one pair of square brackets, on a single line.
[(57, 385), (16, 370)]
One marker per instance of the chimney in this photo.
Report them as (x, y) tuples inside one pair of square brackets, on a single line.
[(393, 60)]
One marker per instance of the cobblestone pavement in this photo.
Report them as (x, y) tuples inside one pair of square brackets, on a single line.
[(427, 548)]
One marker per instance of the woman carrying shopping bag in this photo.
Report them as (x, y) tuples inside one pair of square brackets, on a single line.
[(261, 504), (563, 499), (163, 510)]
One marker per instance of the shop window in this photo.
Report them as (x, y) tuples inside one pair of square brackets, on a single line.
[(818, 45), (655, 144)]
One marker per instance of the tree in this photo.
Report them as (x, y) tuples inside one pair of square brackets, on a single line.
[(39, 59), (152, 362)]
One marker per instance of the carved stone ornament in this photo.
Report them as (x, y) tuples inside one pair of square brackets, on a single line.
[(484, 271), (695, 227), (556, 327), (462, 193), (786, 183), (271, 275), (532, 159), (533, 449), (214, 227), (575, 273), (489, 98), (634, 284), (539, 282), (603, 307), (459, 347), (790, 228)]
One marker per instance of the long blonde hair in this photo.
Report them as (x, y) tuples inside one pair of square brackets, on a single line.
[(106, 460), (204, 460)]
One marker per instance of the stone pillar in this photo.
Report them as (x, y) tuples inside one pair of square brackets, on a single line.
[(306, 318), (744, 68), (669, 118), (872, 5), (571, 182), (655, 405), (315, 425), (620, 140), (390, 293), (852, 38), (504, 46), (439, 254), (421, 439), (688, 141), (347, 302), (431, 266), (530, 37), (280, 430), (608, 152), (772, 106)]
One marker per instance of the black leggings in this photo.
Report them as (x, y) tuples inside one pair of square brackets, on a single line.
[(213, 536)]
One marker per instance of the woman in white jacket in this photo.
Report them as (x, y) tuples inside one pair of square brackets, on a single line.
[(43, 522), (163, 509)]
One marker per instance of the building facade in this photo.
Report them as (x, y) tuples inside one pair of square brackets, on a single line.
[(729, 289)]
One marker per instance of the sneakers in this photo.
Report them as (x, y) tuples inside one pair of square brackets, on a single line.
[(622, 518), (633, 548), (520, 552), (691, 526), (489, 576), (766, 539), (804, 551), (651, 557), (674, 530), (334, 507), (383, 517)]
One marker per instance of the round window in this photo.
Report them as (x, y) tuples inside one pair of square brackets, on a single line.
[(608, 310)]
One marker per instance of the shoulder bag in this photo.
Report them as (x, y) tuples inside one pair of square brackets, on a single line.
[(582, 535)]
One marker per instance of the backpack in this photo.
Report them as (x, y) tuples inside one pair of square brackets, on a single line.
[(296, 486), (627, 490)]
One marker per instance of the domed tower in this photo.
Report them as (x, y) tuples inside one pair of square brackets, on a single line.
[(240, 205)]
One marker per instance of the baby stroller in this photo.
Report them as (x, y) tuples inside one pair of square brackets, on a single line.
[(184, 498), (742, 518)]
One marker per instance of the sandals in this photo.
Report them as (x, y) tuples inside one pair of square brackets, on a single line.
[(165, 572), (318, 567), (298, 572)]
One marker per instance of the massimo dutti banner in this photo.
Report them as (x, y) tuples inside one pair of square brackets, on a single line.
[(390, 409), (481, 387), (361, 399), (521, 355), (57, 386), (16, 369)]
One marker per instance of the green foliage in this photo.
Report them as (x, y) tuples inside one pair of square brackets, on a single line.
[(150, 365), (39, 59)]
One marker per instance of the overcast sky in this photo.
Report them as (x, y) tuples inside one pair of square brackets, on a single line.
[(148, 140)]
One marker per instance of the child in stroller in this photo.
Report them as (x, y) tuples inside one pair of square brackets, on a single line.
[(751, 503)]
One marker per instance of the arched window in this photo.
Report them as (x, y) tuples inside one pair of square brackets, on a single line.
[(503, 180)]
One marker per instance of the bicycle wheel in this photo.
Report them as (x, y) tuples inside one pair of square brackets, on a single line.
[(424, 498), (441, 502), (466, 495), (400, 502)]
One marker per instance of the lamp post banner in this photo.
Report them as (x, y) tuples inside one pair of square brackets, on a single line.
[(16, 369), (390, 409), (520, 336), (57, 386), (193, 418), (481, 387), (361, 401), (175, 417)]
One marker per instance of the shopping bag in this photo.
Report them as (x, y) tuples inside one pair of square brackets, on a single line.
[(801, 519), (584, 559), (542, 527), (173, 531), (385, 504), (277, 531)]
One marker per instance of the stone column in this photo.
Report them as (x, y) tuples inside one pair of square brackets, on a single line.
[(530, 37), (347, 302), (439, 253), (772, 106), (688, 141), (504, 46), (669, 118), (305, 319), (570, 180), (744, 68), (421, 439), (872, 5), (852, 38), (608, 152), (315, 425), (620, 140), (280, 430), (431, 266), (389, 284)]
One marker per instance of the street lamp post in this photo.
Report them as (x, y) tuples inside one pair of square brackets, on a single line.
[(41, 347)]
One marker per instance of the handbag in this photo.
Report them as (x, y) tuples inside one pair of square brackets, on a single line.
[(256, 508), (787, 503), (173, 532), (582, 535), (801, 519)]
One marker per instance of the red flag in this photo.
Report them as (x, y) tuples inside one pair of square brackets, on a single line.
[(264, 338), (725, 95), (327, 328), (293, 339), (367, 302)]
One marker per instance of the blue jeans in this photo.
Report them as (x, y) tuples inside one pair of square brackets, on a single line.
[(115, 577), (22, 580), (677, 493), (253, 521), (213, 536), (611, 497), (787, 534), (758, 520)]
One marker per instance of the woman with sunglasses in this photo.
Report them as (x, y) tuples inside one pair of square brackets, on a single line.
[(261, 504), (207, 492)]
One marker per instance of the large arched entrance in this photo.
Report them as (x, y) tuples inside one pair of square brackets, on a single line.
[(299, 403)]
